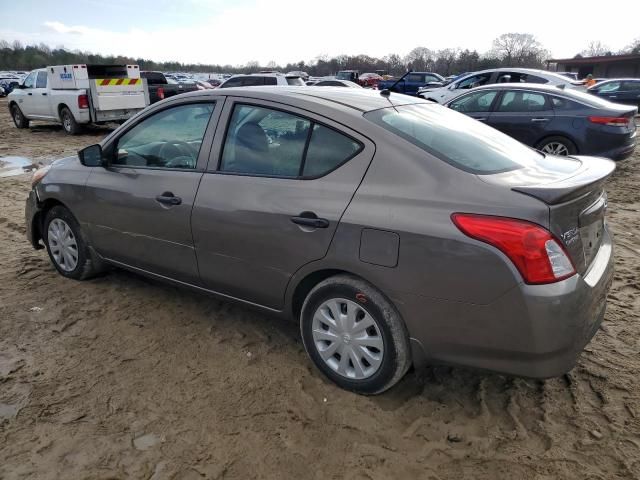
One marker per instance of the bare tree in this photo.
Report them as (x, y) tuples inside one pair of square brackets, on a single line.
[(596, 49), (521, 49), (634, 47)]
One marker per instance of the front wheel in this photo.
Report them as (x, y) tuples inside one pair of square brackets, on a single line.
[(354, 335), (557, 146), (66, 245), (69, 122), (18, 117)]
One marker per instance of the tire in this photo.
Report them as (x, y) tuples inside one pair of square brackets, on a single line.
[(84, 267), (557, 145), (18, 117), (387, 366), (69, 123)]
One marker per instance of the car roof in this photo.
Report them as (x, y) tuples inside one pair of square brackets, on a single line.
[(542, 87), (620, 80), (353, 99)]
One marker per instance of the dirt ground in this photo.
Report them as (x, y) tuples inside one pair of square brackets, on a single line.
[(121, 377)]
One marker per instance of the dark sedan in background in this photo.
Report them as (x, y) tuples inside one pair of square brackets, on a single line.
[(553, 120), (621, 90)]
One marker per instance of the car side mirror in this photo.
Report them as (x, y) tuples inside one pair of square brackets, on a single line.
[(91, 156), (20, 86)]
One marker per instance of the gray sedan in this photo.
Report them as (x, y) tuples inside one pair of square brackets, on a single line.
[(395, 231)]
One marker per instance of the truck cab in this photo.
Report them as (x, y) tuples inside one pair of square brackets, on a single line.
[(351, 75)]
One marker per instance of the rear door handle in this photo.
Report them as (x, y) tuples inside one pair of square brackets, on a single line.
[(539, 119), (310, 219), (44, 93), (168, 198), (482, 119), (29, 93)]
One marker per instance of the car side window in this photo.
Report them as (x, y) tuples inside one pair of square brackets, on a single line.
[(474, 81), (474, 102), (631, 86), (610, 87), (534, 79), (262, 141), (415, 78), (327, 150), (41, 81), (560, 103), (30, 81), (252, 81), (270, 80), (517, 101), (170, 138), (232, 82)]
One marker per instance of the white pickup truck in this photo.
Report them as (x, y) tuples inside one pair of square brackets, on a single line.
[(79, 94)]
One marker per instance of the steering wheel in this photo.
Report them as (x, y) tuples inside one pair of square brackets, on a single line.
[(175, 152)]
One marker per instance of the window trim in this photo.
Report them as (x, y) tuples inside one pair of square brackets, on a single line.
[(111, 143), (312, 122)]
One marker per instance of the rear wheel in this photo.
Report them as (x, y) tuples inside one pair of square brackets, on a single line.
[(557, 146), (69, 122), (18, 117), (354, 335), (66, 245)]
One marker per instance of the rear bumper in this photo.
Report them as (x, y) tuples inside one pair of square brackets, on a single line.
[(534, 331)]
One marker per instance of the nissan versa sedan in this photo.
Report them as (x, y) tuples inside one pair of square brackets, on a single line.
[(397, 232), (553, 120)]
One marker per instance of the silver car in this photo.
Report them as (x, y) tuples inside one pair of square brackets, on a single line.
[(396, 231)]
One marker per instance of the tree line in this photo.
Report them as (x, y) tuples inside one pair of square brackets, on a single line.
[(509, 49)]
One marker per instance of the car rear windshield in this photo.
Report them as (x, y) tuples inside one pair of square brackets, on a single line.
[(295, 81), (455, 138)]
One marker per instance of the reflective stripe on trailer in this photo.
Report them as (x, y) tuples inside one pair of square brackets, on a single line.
[(104, 82)]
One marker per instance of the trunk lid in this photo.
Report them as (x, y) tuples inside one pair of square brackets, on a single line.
[(573, 189)]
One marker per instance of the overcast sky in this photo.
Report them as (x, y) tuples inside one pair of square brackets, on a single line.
[(237, 31)]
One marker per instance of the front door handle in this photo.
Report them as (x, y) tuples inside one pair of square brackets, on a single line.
[(44, 93), (29, 93), (310, 219), (168, 198), (482, 119), (539, 119)]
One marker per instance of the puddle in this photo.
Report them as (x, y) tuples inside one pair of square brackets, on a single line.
[(8, 411), (11, 166)]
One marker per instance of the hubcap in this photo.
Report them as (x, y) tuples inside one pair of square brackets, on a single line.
[(16, 115), (66, 122), (347, 338), (555, 148), (63, 245)]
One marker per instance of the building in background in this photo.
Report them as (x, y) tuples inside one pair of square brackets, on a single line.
[(608, 66)]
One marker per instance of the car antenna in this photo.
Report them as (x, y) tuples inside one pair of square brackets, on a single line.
[(385, 92)]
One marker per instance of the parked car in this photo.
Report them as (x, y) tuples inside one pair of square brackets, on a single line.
[(161, 87), (2, 92), (298, 73), (336, 83), (489, 77), (8, 83), (77, 95), (411, 82), (369, 80), (620, 90), (553, 120), (350, 75), (463, 249), (258, 79)]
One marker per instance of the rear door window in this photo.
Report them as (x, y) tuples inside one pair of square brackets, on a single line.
[(631, 86), (252, 81), (519, 101), (232, 82)]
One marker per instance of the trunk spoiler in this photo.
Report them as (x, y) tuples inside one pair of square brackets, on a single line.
[(593, 173)]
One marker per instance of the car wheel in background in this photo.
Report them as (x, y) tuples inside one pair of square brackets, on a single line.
[(18, 117), (354, 335), (68, 122), (66, 245), (557, 146)]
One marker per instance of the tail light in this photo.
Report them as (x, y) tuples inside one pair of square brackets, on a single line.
[(537, 254), (83, 101), (161, 93), (612, 121)]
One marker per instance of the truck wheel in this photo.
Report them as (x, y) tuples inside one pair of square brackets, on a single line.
[(354, 335), (68, 122), (18, 118)]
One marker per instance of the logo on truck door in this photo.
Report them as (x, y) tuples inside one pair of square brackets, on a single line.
[(66, 76)]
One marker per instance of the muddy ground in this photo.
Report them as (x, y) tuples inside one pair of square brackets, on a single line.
[(121, 377)]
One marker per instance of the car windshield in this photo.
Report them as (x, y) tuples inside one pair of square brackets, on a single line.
[(344, 75), (455, 138)]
